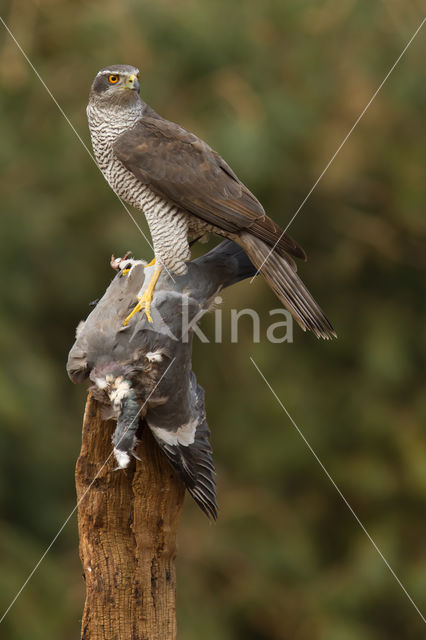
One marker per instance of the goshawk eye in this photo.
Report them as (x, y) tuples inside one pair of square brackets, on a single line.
[(113, 79)]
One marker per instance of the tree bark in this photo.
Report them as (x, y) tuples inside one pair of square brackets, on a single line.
[(128, 522)]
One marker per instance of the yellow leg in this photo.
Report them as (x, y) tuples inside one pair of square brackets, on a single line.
[(146, 298)]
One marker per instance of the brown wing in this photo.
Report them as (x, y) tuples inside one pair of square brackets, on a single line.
[(182, 168)]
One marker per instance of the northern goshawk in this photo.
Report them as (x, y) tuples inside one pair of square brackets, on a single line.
[(185, 189)]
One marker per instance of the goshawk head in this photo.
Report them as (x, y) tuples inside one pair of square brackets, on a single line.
[(116, 86)]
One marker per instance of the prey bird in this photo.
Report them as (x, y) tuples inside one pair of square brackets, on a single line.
[(185, 190), (146, 380)]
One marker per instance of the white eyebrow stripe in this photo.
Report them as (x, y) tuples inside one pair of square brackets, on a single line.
[(104, 72), (117, 73)]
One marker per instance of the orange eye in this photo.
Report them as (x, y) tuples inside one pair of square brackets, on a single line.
[(112, 79)]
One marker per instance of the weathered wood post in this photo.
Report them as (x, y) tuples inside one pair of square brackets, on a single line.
[(127, 523), (146, 399)]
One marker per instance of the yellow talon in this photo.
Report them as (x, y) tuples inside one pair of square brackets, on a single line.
[(150, 264), (142, 304), (146, 299)]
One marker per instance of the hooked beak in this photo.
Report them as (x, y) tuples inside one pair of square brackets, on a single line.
[(132, 82)]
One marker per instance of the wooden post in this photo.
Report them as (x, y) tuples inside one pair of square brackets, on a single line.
[(127, 522)]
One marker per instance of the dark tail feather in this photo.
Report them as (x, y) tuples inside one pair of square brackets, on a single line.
[(283, 280), (195, 465)]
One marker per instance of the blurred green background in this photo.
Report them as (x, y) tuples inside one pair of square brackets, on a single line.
[(274, 86)]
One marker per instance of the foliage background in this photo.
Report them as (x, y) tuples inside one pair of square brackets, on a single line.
[(274, 86)]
